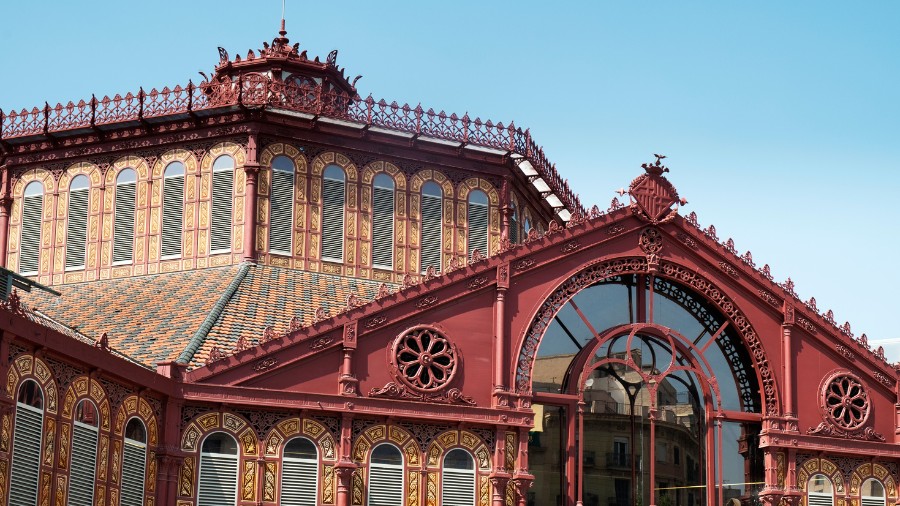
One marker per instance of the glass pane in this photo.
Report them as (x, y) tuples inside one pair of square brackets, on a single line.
[(819, 484), (334, 172), (174, 169), (126, 176), (79, 182), (387, 454), (301, 448), (283, 164), (431, 188), (219, 442), (546, 459), (459, 459), (34, 188), (31, 395), (86, 413), (135, 431), (383, 181), (223, 162), (872, 488)]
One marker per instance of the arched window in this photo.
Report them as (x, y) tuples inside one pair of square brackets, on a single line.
[(84, 454), (172, 210), (30, 241), (26, 448), (872, 493), (333, 195), (458, 479), (478, 222), (432, 217), (222, 195), (386, 476), (123, 221), (218, 471), (76, 226), (282, 201), (819, 491), (383, 222), (527, 226), (134, 463), (300, 473), (513, 223)]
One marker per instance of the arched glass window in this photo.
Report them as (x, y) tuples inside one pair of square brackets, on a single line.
[(333, 195), (76, 226), (527, 225), (432, 217), (172, 210), (123, 221), (383, 222), (218, 471), (872, 493), (26, 448), (222, 196), (458, 479), (282, 205), (513, 223), (478, 222), (386, 476), (819, 491), (300, 473), (30, 240), (134, 463), (84, 454)]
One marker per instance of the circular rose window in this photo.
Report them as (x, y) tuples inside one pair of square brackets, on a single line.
[(424, 358), (845, 400)]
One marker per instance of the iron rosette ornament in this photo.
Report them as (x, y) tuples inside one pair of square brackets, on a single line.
[(423, 363), (846, 408)]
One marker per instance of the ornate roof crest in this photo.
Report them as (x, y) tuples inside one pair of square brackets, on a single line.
[(653, 198)]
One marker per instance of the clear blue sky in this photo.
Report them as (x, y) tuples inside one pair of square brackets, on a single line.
[(780, 119)]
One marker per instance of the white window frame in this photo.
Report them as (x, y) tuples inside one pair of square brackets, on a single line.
[(162, 212), (393, 220), (138, 444), (290, 218), (343, 216), (237, 459), (460, 472), (69, 225), (212, 199), (440, 228), (40, 226), (284, 469), (36, 455), (115, 212), (401, 468)]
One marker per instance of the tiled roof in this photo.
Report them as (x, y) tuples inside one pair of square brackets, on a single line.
[(158, 317), (150, 318), (271, 296)]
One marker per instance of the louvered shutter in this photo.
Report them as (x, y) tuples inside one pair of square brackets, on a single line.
[(383, 228), (872, 501), (514, 228), (431, 232), (30, 244), (218, 480), (333, 220), (299, 482), (133, 463), (26, 454), (220, 221), (815, 499), (123, 233), (457, 488), (385, 485), (83, 464), (478, 225), (172, 216), (281, 216), (76, 228)]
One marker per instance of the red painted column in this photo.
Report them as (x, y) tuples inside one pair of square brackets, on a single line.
[(5, 208), (251, 169), (501, 398), (788, 360), (652, 487), (346, 466)]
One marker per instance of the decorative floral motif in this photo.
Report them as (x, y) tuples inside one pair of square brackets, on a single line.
[(424, 359), (845, 401)]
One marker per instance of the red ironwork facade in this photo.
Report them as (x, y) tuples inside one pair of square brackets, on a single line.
[(250, 316)]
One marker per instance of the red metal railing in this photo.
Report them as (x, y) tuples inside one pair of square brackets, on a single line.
[(258, 91)]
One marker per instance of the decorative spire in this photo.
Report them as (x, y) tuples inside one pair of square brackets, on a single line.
[(283, 40)]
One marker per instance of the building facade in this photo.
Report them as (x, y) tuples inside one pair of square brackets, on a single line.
[(266, 289)]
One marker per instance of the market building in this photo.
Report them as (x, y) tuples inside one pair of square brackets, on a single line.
[(265, 289)]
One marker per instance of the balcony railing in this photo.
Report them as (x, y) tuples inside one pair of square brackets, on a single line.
[(256, 91)]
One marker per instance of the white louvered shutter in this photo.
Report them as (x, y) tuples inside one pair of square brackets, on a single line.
[(220, 221), (478, 225), (133, 465), (83, 464), (76, 228), (218, 480), (172, 216), (282, 211), (333, 220), (26, 455), (383, 228), (385, 485), (431, 232), (123, 233), (299, 482), (872, 501), (457, 487), (30, 244), (820, 499)]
